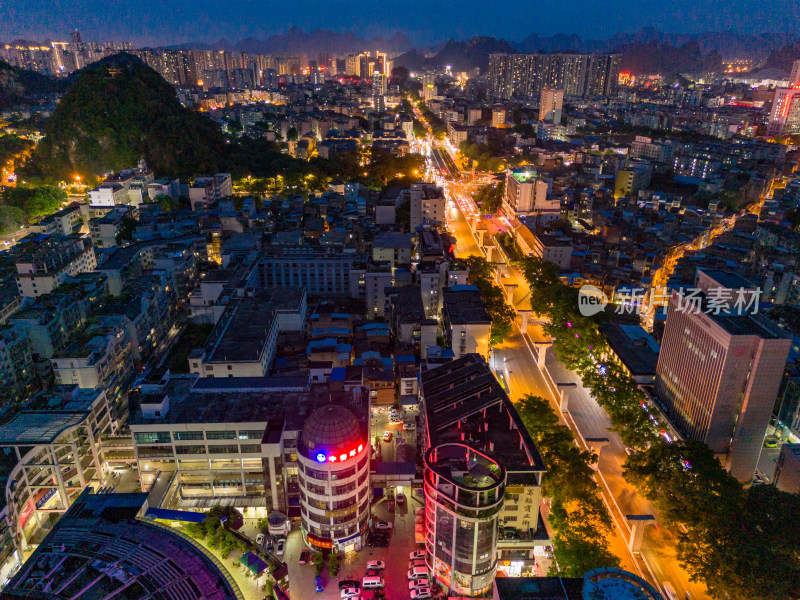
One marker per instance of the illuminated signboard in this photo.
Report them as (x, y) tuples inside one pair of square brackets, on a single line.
[(318, 541), (338, 456)]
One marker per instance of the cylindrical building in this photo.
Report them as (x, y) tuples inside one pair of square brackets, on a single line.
[(333, 464), (463, 494)]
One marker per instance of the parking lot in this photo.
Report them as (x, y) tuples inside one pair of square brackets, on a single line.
[(381, 424), (401, 544)]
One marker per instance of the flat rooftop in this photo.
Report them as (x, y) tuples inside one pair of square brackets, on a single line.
[(728, 279), (464, 305), (636, 348), (464, 398), (242, 336), (245, 400)]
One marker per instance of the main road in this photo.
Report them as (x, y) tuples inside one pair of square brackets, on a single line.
[(516, 358)]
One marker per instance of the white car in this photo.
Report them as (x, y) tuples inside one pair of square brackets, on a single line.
[(281, 546), (417, 554), (350, 593), (376, 565), (383, 525), (421, 593), (260, 539), (416, 584), (409, 426)]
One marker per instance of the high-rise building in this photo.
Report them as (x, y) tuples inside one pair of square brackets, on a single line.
[(524, 75), (482, 477), (550, 105), (794, 77), (784, 119), (718, 375)]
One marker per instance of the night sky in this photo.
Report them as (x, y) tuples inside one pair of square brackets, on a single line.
[(425, 22)]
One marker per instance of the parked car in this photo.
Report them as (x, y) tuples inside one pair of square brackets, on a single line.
[(417, 562), (401, 498), (421, 593), (270, 544), (416, 554), (376, 564), (260, 539), (305, 554), (281, 546), (409, 427), (318, 583), (349, 583), (350, 593), (418, 583), (383, 525), (387, 436)]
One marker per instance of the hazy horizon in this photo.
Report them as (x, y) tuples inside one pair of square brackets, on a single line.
[(156, 22)]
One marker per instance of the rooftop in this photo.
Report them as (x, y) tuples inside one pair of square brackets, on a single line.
[(463, 399), (464, 305), (47, 415), (100, 550)]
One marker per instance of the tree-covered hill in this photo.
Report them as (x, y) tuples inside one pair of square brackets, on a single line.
[(117, 111), (18, 86)]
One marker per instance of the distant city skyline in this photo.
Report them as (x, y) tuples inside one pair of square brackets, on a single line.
[(153, 22)]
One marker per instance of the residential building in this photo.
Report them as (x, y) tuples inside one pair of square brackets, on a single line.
[(526, 194), (392, 247), (44, 264), (632, 177), (99, 359), (498, 116), (525, 75), (482, 475), (427, 205), (209, 189), (718, 375), (17, 369), (550, 105), (465, 321), (646, 148), (104, 230), (243, 343), (553, 248)]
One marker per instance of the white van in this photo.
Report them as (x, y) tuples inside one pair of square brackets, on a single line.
[(417, 572), (372, 583)]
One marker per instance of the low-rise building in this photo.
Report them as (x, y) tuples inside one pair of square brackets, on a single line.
[(466, 323), (243, 343)]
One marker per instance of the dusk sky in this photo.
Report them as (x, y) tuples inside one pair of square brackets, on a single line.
[(423, 21)]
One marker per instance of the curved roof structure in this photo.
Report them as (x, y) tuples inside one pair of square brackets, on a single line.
[(330, 427)]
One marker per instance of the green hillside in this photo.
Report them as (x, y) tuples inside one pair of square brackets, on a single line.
[(117, 111)]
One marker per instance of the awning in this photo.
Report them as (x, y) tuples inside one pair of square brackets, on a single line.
[(253, 563)]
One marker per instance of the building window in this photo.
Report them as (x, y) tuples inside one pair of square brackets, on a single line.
[(187, 436), (152, 437)]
